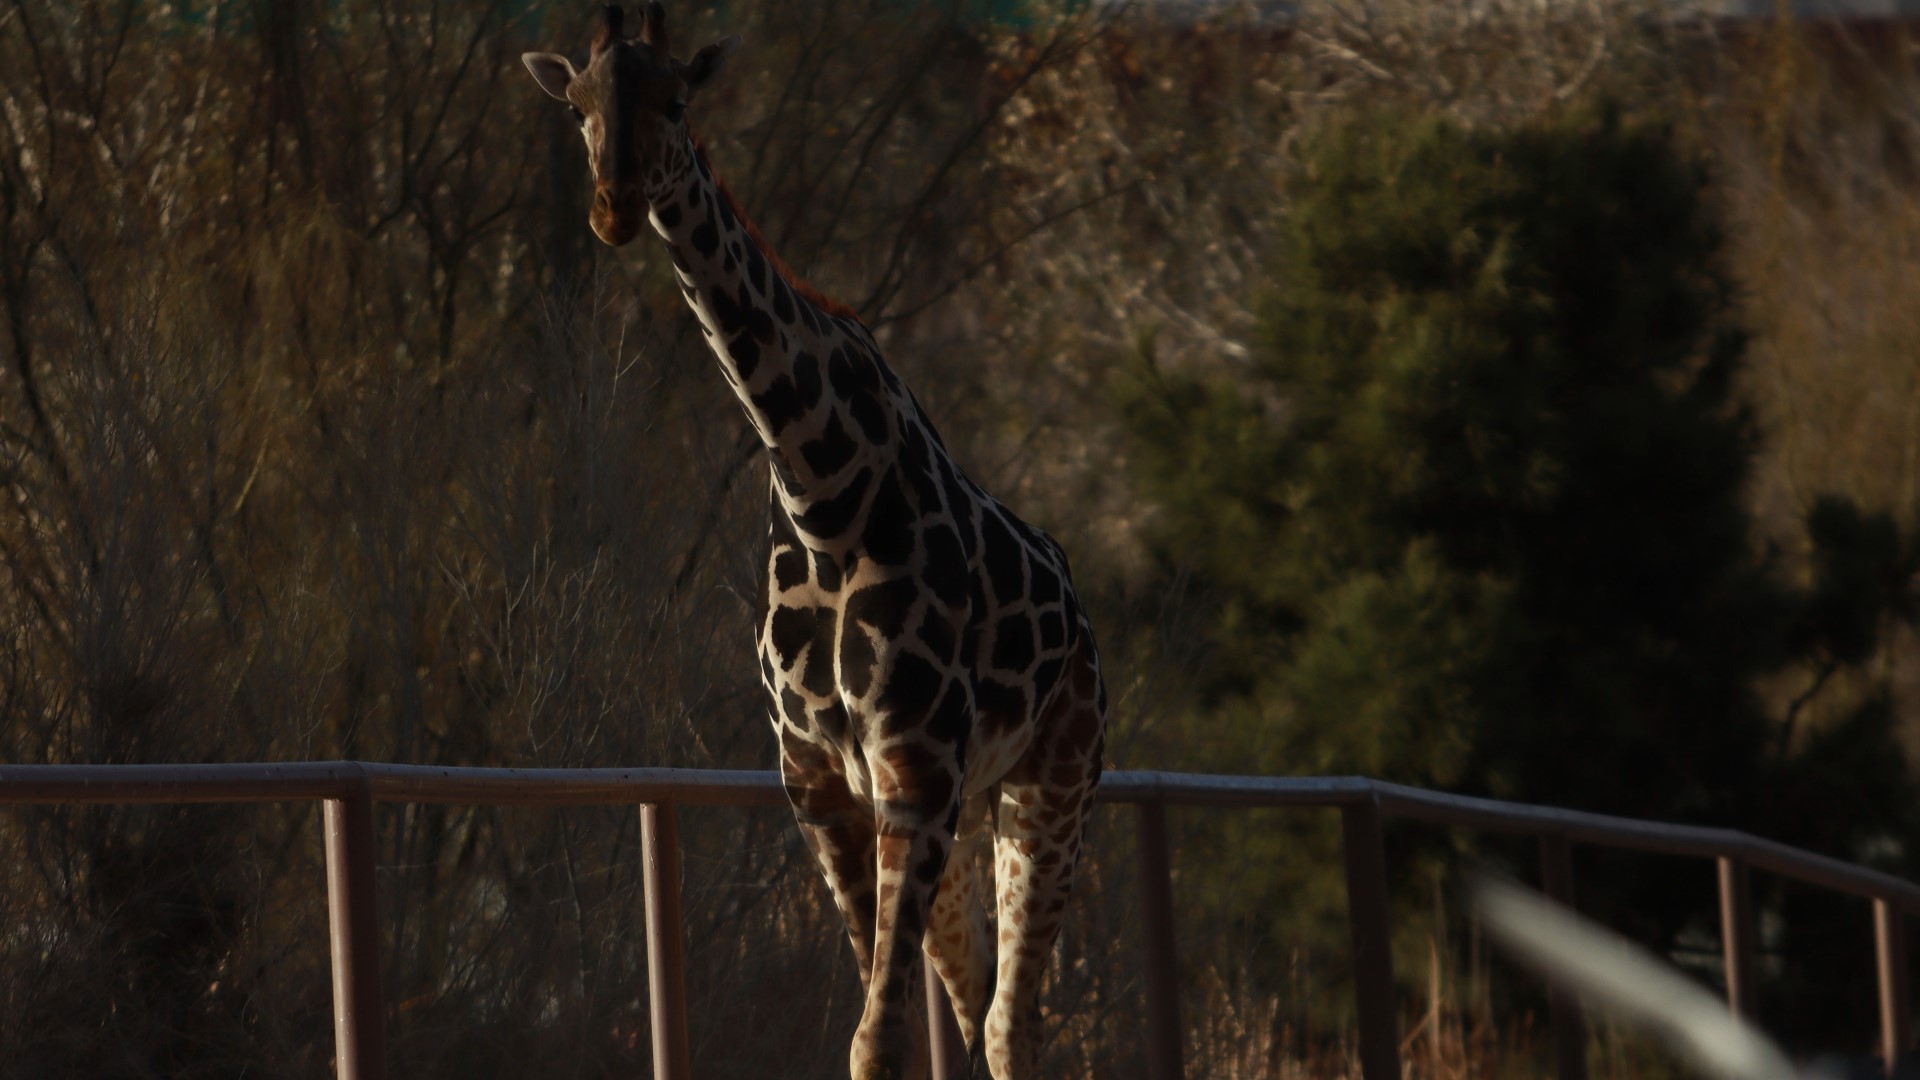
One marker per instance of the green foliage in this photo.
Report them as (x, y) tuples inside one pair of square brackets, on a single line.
[(1475, 512)]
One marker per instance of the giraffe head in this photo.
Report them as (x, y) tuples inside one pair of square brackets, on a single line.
[(631, 101)]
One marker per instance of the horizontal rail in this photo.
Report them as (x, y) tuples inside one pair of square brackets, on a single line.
[(708, 787), (1195, 789), (1579, 826), (1607, 830), (578, 787), (298, 781), (120, 784)]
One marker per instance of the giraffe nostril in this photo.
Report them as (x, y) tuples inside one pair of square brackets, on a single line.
[(603, 201)]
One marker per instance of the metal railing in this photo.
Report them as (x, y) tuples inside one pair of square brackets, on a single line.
[(349, 789)]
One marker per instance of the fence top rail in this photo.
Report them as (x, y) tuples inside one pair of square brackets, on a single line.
[(684, 787), (1581, 826), (307, 780), (223, 783)]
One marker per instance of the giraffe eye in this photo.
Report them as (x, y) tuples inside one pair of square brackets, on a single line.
[(675, 110), (578, 116)]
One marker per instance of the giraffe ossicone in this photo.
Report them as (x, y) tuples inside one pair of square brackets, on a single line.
[(931, 677)]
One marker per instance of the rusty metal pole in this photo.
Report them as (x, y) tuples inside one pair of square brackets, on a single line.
[(1737, 934), (1890, 951), (1165, 1056), (1563, 1005), (1366, 860), (353, 933), (944, 1044), (666, 955)]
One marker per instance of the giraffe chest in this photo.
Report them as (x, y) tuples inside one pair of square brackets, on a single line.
[(944, 665)]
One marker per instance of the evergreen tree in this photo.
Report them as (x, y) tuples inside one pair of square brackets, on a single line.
[(1474, 511)]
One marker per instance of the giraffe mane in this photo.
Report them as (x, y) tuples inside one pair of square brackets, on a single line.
[(794, 281)]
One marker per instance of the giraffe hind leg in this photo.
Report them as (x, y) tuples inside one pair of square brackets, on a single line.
[(977, 1048), (1044, 804), (957, 940)]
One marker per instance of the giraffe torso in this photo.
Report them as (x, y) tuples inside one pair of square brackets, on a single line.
[(908, 616)]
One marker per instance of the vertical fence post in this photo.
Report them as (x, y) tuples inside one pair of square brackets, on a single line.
[(1737, 934), (666, 958), (1366, 860), (1890, 950), (1563, 1005), (944, 1045), (1164, 1053), (353, 937)]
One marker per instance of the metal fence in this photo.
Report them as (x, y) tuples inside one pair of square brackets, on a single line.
[(350, 788)]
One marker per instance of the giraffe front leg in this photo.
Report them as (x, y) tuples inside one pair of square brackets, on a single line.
[(838, 829), (916, 793), (1044, 803)]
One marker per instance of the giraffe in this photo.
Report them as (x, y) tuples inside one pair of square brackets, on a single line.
[(931, 677)]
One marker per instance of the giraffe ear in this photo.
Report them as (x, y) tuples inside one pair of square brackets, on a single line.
[(552, 71), (706, 63)]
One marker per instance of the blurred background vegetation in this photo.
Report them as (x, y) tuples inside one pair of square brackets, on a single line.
[(1510, 398)]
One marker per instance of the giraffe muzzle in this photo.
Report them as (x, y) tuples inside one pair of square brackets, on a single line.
[(617, 216)]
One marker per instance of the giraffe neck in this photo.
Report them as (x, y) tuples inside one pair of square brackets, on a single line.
[(806, 371)]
